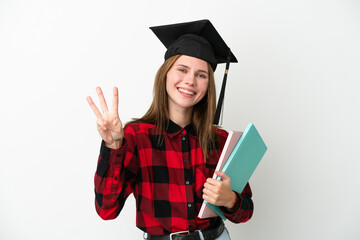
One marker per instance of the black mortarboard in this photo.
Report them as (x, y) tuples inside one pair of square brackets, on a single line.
[(197, 39)]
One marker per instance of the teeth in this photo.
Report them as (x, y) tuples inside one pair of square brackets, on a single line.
[(186, 91)]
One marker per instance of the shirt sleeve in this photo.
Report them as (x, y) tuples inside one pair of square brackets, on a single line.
[(115, 176), (243, 209)]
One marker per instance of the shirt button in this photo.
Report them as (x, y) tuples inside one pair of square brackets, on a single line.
[(185, 161), (189, 205), (182, 131), (187, 182), (183, 138)]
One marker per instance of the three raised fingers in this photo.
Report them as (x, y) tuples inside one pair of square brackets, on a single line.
[(103, 104)]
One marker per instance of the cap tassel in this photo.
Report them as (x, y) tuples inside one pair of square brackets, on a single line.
[(222, 92)]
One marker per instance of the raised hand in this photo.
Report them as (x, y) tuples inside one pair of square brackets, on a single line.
[(108, 122)]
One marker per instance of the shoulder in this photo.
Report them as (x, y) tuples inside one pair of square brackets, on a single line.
[(220, 138), (138, 126), (221, 133)]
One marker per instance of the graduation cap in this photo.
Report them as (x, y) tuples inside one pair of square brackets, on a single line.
[(201, 40)]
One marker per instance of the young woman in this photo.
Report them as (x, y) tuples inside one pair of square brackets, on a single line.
[(167, 157)]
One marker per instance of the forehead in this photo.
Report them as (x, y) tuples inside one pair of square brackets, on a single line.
[(192, 62)]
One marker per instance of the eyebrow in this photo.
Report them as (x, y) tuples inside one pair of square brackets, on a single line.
[(182, 65)]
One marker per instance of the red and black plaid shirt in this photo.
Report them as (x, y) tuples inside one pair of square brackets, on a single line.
[(167, 179)]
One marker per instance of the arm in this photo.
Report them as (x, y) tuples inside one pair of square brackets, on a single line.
[(114, 177), (115, 173), (243, 209)]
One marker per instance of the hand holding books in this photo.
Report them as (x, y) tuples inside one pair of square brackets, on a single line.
[(219, 192), (239, 158)]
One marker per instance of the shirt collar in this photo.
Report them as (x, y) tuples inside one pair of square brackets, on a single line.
[(173, 130)]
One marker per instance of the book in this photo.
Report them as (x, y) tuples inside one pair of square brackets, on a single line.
[(232, 139), (238, 163)]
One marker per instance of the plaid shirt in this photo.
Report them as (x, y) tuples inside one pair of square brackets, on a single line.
[(167, 179)]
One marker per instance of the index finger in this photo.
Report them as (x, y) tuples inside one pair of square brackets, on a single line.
[(93, 107), (102, 99), (115, 102), (212, 181)]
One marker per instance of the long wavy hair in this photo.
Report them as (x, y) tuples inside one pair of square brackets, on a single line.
[(203, 111)]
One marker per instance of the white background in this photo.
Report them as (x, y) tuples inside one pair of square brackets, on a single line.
[(297, 80)]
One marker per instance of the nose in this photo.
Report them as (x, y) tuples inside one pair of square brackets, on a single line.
[(190, 79)]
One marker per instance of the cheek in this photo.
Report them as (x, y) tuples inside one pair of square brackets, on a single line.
[(204, 87), (170, 79)]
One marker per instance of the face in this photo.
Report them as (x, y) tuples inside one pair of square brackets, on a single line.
[(187, 82)]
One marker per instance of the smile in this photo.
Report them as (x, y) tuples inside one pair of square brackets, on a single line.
[(186, 91)]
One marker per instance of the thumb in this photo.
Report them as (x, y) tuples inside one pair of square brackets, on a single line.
[(222, 175)]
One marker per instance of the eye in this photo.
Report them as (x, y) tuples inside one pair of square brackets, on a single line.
[(182, 70), (202, 76)]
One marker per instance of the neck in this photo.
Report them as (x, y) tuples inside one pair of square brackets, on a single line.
[(181, 117)]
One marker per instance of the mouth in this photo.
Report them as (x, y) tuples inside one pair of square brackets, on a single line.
[(186, 91)]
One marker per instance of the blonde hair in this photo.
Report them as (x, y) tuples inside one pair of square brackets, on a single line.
[(203, 112)]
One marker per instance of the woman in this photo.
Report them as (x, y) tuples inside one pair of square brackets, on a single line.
[(167, 157)]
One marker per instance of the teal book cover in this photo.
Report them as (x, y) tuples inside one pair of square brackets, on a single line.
[(243, 161)]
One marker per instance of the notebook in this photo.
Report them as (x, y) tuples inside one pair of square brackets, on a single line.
[(239, 165)]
